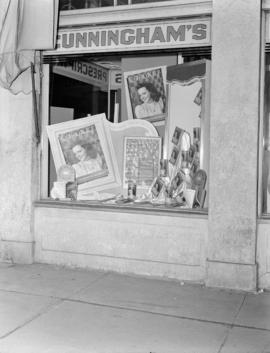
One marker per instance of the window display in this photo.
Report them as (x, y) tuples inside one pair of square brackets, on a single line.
[(116, 162)]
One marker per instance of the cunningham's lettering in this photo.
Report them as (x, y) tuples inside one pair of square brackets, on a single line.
[(171, 33), (199, 31)]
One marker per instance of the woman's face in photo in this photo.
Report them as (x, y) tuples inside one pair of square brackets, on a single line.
[(80, 152), (144, 94)]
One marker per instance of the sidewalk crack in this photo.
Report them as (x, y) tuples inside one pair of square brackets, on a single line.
[(232, 325), (34, 317), (90, 284)]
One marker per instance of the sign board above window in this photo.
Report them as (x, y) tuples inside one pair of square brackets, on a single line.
[(123, 37), (90, 73)]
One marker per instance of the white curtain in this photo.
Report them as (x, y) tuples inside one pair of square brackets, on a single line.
[(25, 26)]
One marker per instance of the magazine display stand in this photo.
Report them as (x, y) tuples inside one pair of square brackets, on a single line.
[(189, 109)]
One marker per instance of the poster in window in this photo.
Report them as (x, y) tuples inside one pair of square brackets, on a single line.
[(146, 93), (141, 160), (85, 144)]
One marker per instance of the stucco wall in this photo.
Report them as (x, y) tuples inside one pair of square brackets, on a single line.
[(234, 143), (18, 177), (163, 245)]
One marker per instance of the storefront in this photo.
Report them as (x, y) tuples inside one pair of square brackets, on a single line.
[(214, 234)]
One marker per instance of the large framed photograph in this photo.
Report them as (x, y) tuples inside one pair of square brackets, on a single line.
[(141, 161), (86, 145), (146, 94)]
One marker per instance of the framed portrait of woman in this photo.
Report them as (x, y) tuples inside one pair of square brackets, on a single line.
[(146, 94), (85, 144)]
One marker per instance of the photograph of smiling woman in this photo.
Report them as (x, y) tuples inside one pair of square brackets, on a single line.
[(146, 93), (89, 160), (152, 103)]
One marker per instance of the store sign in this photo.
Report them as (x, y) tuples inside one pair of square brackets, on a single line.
[(115, 79), (85, 72), (138, 36), (90, 73)]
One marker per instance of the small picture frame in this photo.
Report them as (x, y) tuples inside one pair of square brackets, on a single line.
[(177, 134), (174, 155), (164, 168), (197, 138), (157, 187), (176, 181)]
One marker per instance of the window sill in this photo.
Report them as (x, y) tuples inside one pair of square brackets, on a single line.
[(264, 218), (123, 208)]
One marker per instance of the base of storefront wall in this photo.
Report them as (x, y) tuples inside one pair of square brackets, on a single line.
[(231, 276), (17, 252), (189, 274), (166, 246)]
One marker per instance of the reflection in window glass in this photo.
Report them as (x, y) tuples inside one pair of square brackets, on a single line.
[(105, 3)]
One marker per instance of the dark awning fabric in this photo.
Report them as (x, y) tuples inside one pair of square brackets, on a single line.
[(25, 26)]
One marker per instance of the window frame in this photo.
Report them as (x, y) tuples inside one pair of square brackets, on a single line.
[(107, 15), (262, 213)]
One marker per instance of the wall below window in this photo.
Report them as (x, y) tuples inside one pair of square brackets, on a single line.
[(160, 245), (171, 246)]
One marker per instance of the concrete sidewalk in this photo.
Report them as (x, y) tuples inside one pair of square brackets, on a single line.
[(49, 309)]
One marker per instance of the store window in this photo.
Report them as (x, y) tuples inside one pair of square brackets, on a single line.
[(87, 4), (128, 118), (168, 170)]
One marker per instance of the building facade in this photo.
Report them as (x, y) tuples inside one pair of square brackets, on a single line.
[(227, 243)]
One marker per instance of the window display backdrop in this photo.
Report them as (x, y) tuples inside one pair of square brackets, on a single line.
[(189, 110)]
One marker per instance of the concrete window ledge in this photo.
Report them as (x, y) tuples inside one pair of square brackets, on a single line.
[(125, 208), (264, 219)]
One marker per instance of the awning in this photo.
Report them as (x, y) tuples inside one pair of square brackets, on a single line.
[(25, 26)]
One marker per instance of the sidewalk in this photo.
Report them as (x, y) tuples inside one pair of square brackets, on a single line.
[(49, 309)]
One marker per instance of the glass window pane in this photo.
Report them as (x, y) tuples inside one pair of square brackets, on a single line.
[(122, 2), (146, 1), (83, 4), (115, 86), (87, 4)]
